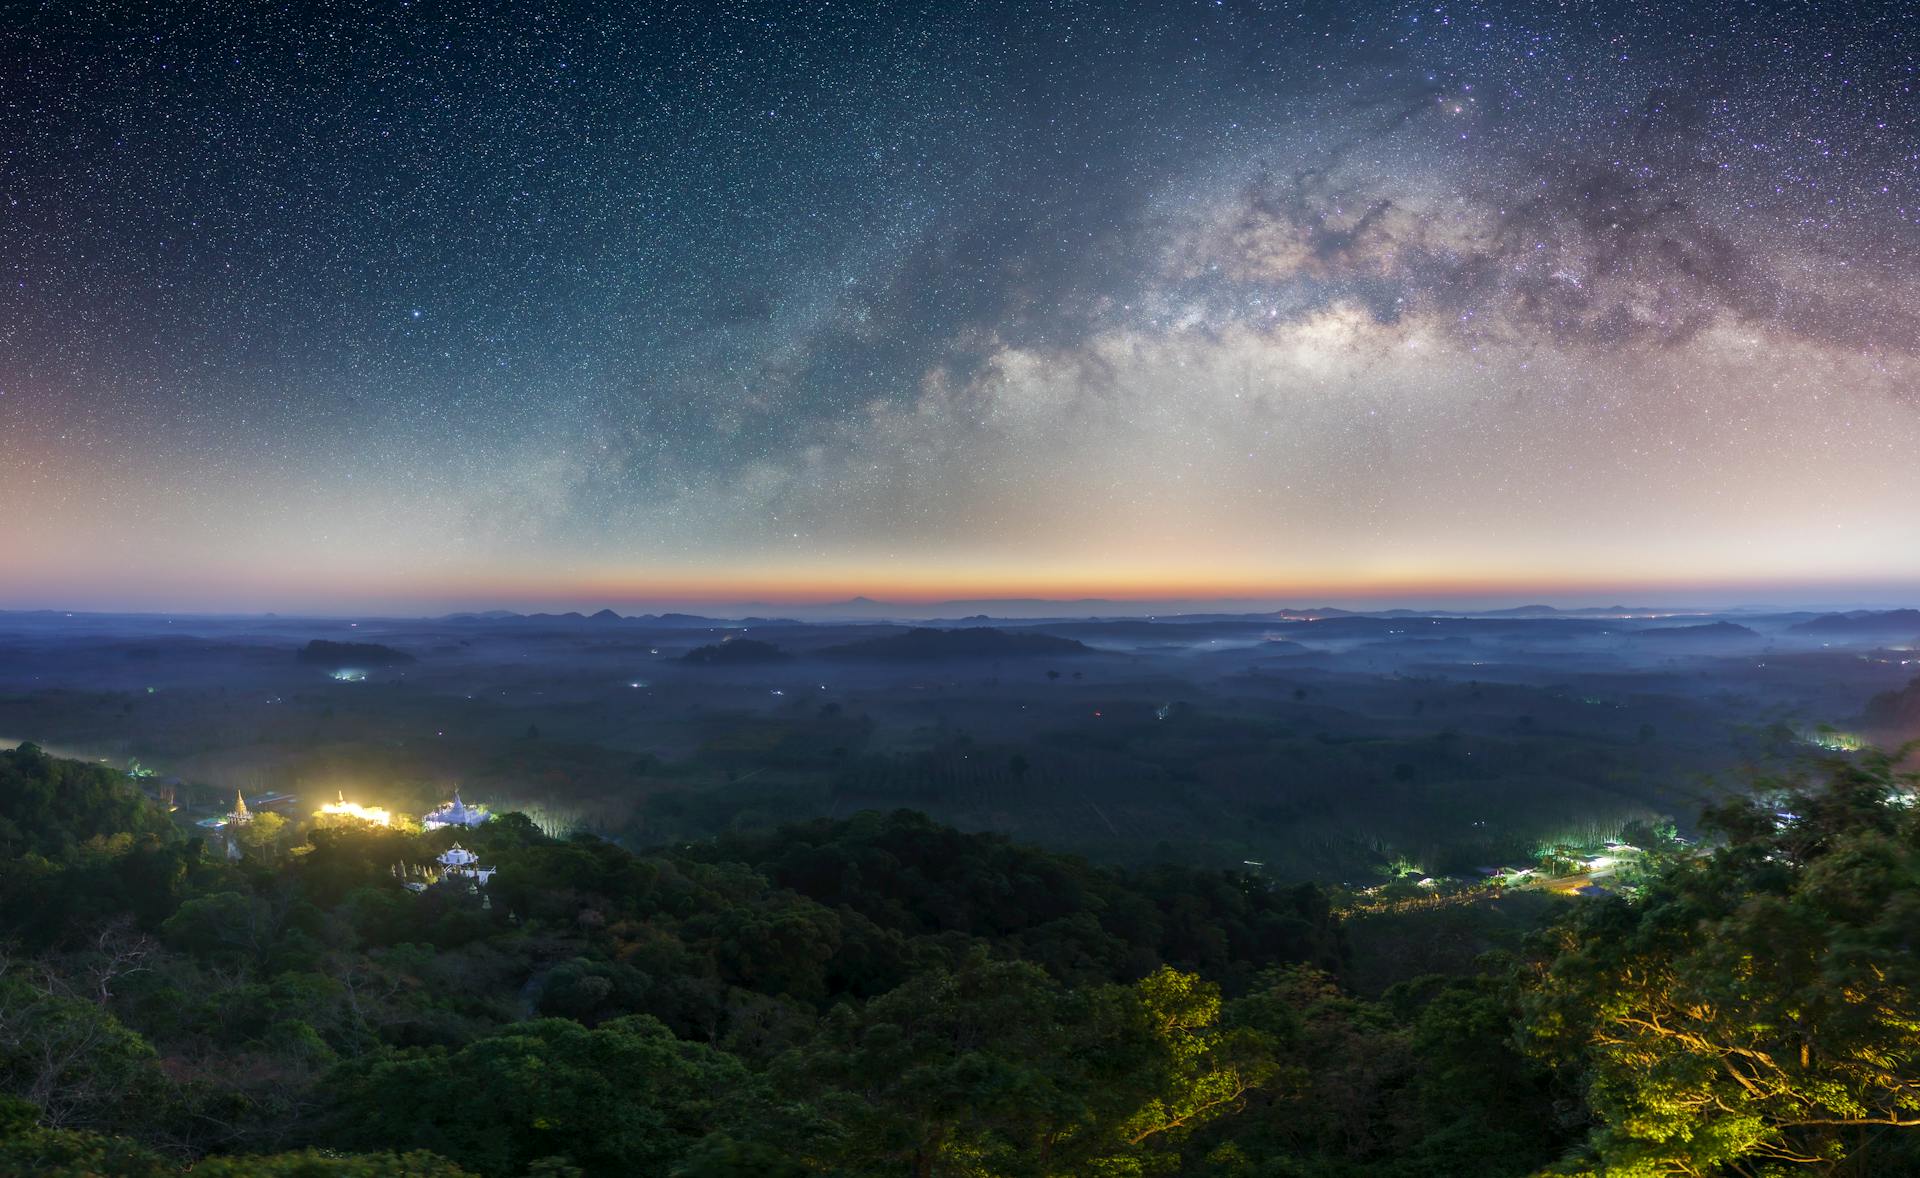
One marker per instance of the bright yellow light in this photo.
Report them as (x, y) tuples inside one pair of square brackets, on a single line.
[(377, 815)]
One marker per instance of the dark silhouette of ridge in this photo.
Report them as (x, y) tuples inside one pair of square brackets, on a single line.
[(974, 642), (736, 652), (352, 654)]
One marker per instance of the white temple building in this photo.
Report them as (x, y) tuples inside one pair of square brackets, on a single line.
[(457, 860), (454, 813), (455, 864)]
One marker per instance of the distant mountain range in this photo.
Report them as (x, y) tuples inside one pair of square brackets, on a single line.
[(983, 612), (976, 611), (1864, 621), (1710, 631), (607, 617), (930, 644)]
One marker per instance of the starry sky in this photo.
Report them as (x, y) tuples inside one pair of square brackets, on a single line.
[(420, 305)]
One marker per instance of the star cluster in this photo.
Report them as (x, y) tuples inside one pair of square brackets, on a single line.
[(394, 304)]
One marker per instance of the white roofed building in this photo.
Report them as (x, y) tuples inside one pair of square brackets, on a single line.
[(457, 860), (454, 813)]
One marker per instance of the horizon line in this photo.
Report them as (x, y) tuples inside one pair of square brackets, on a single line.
[(1126, 607)]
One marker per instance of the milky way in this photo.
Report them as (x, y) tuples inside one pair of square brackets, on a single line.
[(447, 304)]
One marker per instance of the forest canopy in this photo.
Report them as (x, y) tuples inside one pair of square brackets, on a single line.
[(883, 995)]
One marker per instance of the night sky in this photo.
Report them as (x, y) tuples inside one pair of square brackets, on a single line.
[(434, 305)]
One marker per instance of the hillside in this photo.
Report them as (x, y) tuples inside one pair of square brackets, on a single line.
[(881, 996), (735, 652), (50, 806), (1705, 632), (1896, 711), (321, 652), (1901, 622)]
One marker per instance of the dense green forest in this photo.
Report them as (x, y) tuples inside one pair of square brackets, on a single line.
[(887, 996)]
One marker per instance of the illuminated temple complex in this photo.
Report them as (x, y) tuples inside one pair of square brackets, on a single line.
[(219, 830), (342, 808), (459, 862), (455, 864), (454, 813), (238, 817)]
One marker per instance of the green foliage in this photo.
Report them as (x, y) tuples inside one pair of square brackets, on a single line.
[(1207, 1072), (222, 924), (27, 1148), (79, 845), (885, 996), (995, 1068), (720, 1156), (50, 806), (74, 1061), (265, 835), (314, 1163), (626, 1097), (949, 1068), (590, 992), (906, 873), (1758, 1009)]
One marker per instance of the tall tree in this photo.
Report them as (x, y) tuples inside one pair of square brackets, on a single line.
[(1758, 1010)]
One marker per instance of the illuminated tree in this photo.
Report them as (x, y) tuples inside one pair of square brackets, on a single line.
[(1758, 1009), (1208, 1071), (263, 835), (993, 1069)]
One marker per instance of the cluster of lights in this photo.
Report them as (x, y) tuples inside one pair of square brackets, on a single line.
[(1834, 741)]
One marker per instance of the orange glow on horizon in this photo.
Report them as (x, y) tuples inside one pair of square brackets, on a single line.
[(443, 589), (928, 587)]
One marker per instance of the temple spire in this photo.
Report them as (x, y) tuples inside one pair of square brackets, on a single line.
[(454, 813), (240, 808)]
